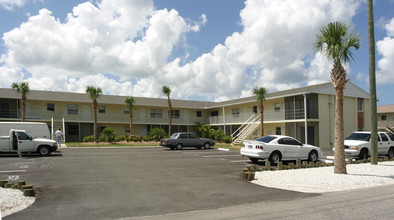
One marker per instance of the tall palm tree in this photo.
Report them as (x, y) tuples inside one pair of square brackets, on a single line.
[(23, 89), (94, 93), (260, 93), (130, 102), (335, 41), (167, 91), (372, 85)]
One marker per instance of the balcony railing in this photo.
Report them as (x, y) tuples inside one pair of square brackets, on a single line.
[(89, 117)]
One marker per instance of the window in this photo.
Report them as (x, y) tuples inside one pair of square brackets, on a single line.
[(72, 109), (199, 114), (22, 136), (383, 117), (51, 107), (175, 114), (127, 129), (101, 109), (156, 113), (278, 131), (383, 137), (126, 111), (215, 113), (277, 107), (288, 141), (254, 109), (235, 112), (359, 105)]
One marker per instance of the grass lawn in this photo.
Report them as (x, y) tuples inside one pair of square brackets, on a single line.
[(137, 144)]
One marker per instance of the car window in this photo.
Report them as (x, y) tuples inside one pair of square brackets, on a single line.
[(173, 136), (383, 137), (194, 136), (359, 137), (22, 136), (184, 136), (266, 139), (391, 135), (288, 141)]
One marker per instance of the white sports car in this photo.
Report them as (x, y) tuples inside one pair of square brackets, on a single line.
[(277, 148)]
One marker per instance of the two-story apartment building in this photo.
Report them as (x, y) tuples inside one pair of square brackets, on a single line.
[(306, 113)]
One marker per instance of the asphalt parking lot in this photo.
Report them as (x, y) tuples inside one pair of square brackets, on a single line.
[(115, 183)]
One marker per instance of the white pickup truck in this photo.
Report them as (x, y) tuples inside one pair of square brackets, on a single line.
[(358, 144), (19, 141)]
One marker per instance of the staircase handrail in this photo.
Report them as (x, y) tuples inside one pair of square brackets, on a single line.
[(245, 125)]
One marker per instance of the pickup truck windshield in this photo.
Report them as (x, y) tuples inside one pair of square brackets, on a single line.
[(359, 137)]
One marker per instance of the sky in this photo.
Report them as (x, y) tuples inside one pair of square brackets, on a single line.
[(203, 50)]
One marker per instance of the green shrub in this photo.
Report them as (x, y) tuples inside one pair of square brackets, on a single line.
[(227, 139), (121, 138), (147, 138), (157, 134), (108, 134), (135, 138), (88, 138)]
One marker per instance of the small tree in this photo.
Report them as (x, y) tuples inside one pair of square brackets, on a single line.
[(129, 101), (260, 93), (94, 94), (167, 91), (23, 89)]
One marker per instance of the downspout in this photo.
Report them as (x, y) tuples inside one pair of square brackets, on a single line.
[(306, 122), (224, 121)]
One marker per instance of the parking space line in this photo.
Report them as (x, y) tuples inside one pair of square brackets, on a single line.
[(224, 155), (12, 171)]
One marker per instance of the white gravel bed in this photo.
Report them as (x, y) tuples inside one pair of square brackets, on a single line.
[(12, 200), (323, 179)]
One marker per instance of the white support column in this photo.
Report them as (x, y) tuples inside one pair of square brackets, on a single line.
[(52, 128), (64, 131), (224, 120), (306, 122)]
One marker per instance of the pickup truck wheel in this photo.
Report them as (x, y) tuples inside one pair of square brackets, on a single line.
[(44, 151), (254, 160), (275, 158), (363, 154), (391, 153), (313, 156), (207, 146), (179, 146)]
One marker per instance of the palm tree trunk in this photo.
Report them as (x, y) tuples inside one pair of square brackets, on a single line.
[(338, 77), (261, 120), (23, 110)]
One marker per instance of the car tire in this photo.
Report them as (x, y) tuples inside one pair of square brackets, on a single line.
[(275, 157), (207, 146), (44, 151), (313, 156), (179, 146), (363, 154), (391, 153), (254, 160)]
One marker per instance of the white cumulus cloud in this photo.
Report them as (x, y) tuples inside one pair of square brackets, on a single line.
[(126, 47), (385, 65)]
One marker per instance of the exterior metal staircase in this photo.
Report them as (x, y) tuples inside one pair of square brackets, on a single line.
[(246, 129)]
